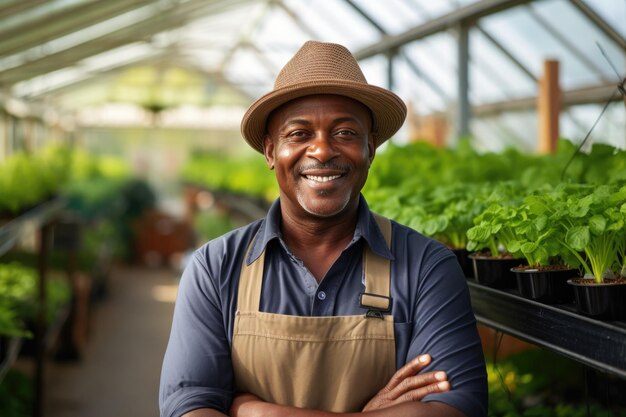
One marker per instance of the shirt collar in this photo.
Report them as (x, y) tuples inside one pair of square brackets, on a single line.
[(366, 228)]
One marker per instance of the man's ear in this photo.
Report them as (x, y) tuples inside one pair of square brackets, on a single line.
[(371, 147), (268, 151)]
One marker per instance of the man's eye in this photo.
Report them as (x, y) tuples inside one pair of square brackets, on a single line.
[(346, 132), (297, 133)]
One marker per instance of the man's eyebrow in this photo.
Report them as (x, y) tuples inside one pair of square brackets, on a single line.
[(346, 119), (296, 122), (305, 122)]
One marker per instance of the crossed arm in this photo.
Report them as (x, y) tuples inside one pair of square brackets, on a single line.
[(399, 398)]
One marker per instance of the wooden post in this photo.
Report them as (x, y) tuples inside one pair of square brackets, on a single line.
[(549, 107)]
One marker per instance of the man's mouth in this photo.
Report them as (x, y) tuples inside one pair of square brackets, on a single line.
[(322, 178)]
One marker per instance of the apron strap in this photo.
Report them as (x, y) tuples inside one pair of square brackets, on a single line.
[(250, 281), (377, 272)]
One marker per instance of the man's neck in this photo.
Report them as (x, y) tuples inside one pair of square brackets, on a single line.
[(318, 242)]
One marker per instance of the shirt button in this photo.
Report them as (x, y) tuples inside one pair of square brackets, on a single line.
[(321, 295)]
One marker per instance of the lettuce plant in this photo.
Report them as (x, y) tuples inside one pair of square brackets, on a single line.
[(589, 223), (494, 227)]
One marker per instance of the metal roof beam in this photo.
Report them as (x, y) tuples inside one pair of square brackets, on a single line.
[(429, 81), (600, 23), (89, 77), (366, 16), (569, 45), (158, 22), (303, 25), (17, 6), (598, 94), (245, 37), (506, 52), (468, 15), (62, 22)]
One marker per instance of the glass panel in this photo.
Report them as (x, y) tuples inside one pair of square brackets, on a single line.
[(375, 70), (248, 72), (586, 37), (610, 129), (86, 69), (77, 38), (493, 76), (412, 88), (395, 16), (613, 11), (495, 133), (335, 21), (38, 12), (519, 31), (436, 58)]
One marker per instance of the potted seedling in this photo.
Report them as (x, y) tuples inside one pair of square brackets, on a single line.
[(491, 238), (545, 276), (453, 210), (594, 234)]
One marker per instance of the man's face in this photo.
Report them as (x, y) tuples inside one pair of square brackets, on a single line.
[(321, 148)]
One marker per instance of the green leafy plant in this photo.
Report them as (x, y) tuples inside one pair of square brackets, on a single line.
[(17, 394), (494, 227), (211, 224), (18, 292), (247, 174), (536, 238), (592, 223)]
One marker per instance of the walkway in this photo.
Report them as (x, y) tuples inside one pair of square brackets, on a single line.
[(119, 374)]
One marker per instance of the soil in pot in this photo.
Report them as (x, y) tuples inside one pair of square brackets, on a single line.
[(546, 284), (603, 301), (495, 271), (465, 262)]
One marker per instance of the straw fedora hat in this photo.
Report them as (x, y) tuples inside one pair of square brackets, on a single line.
[(324, 68)]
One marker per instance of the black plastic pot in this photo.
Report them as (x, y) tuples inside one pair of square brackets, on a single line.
[(603, 301), (465, 262), (545, 286), (495, 272)]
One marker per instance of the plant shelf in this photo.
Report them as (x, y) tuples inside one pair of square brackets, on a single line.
[(30, 220), (598, 344), (12, 348)]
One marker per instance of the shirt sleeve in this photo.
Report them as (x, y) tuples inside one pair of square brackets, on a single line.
[(197, 370), (444, 326)]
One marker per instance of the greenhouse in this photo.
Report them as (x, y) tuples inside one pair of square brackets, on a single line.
[(158, 156)]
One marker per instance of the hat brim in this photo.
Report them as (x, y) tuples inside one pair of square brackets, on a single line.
[(388, 110)]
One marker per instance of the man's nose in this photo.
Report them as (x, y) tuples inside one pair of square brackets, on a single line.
[(322, 148)]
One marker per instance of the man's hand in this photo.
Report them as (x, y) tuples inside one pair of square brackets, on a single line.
[(406, 385)]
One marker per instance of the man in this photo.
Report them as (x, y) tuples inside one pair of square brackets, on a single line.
[(323, 307)]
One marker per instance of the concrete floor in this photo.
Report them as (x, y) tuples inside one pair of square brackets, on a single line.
[(119, 372)]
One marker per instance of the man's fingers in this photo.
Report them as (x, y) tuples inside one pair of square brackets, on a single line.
[(429, 380), (411, 368), (419, 393), (414, 388)]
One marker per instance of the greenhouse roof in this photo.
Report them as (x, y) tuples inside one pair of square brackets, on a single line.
[(227, 52)]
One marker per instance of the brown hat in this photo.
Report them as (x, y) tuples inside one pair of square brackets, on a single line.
[(324, 68)]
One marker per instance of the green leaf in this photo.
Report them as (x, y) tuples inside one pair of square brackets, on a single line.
[(529, 247), (513, 246), (578, 237), (597, 224), (540, 223), (578, 209), (479, 233)]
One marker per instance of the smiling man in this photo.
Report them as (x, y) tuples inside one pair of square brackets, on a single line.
[(322, 307)]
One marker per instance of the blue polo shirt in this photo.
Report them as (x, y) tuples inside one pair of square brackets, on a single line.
[(431, 309)]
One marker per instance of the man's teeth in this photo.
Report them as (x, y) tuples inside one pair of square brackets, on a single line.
[(322, 179)]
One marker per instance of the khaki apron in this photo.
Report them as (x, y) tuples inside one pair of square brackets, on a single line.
[(335, 363)]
